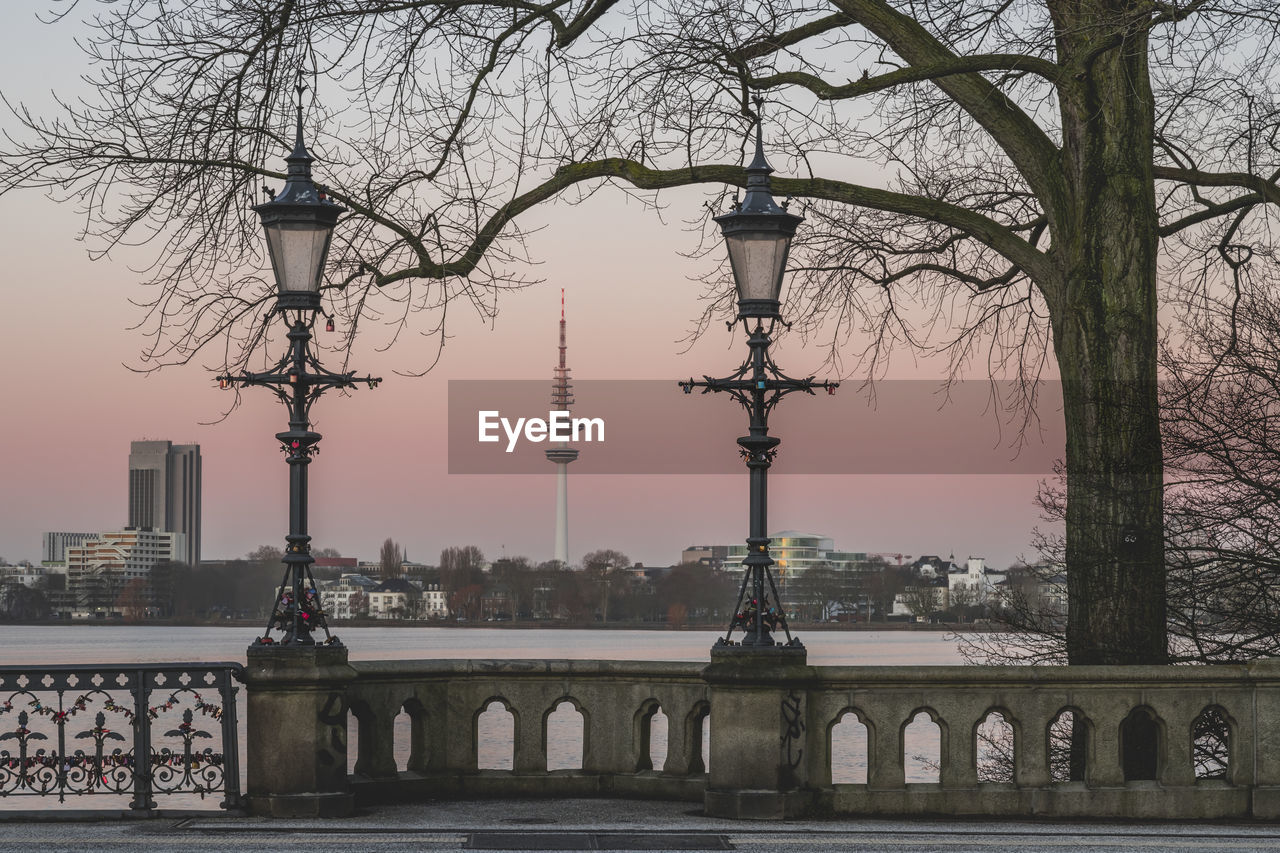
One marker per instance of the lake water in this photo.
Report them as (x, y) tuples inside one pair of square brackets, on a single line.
[(124, 644), (60, 644)]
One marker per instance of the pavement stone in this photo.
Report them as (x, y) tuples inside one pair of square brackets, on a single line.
[(603, 824)]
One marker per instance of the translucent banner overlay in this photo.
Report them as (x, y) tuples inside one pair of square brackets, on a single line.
[(653, 427)]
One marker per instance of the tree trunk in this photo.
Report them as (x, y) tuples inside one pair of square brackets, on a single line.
[(1105, 337)]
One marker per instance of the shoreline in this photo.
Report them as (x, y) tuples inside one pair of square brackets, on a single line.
[(256, 624)]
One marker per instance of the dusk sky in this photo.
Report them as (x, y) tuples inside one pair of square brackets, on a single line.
[(72, 406)]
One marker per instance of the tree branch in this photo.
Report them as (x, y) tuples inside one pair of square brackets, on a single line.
[(983, 229), (776, 43), (913, 74), (1029, 148), (1267, 189)]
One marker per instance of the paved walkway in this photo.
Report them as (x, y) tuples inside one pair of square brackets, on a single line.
[(616, 825)]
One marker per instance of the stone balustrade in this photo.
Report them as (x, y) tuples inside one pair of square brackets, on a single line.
[(444, 700), (1135, 737), (1228, 717)]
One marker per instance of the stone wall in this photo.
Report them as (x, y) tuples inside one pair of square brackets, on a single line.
[(444, 700), (1131, 750)]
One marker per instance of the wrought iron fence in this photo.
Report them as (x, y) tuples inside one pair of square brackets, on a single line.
[(136, 730)]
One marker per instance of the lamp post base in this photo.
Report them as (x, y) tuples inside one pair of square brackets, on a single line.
[(760, 756), (303, 805), (757, 805), (792, 654), (297, 731)]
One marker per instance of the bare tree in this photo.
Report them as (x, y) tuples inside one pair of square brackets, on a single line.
[(467, 558), (1220, 407), (605, 558), (265, 555), (21, 602), (517, 577), (1025, 168), (882, 584), (390, 559), (922, 601), (963, 601), (1221, 416), (461, 568), (815, 590)]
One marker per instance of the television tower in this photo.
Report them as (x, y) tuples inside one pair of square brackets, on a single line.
[(562, 454)]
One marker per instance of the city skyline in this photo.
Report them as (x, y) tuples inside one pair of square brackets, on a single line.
[(383, 470)]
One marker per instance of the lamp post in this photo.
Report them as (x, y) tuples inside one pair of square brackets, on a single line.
[(298, 222), (758, 235)]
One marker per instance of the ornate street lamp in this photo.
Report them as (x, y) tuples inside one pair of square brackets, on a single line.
[(758, 235), (299, 222)]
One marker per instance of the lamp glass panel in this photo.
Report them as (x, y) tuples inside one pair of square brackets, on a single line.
[(757, 260), (297, 254)]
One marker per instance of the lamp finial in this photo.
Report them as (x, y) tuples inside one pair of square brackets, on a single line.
[(759, 162), (299, 147)]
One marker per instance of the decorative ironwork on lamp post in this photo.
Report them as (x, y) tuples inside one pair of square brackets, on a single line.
[(758, 235), (299, 223)]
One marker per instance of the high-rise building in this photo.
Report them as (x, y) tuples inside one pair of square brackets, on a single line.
[(164, 492), (101, 571), (55, 545), (562, 454)]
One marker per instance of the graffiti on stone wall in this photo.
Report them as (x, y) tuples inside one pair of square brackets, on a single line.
[(793, 734)]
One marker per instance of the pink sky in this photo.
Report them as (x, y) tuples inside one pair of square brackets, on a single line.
[(71, 407)]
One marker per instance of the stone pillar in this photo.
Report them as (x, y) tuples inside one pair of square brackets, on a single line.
[(885, 771), (1104, 768), (1176, 767), (297, 731), (956, 749), (682, 741), (1264, 731), (759, 735), (1031, 744), (609, 737), (530, 747), (377, 758)]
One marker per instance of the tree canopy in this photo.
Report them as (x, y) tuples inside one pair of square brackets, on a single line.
[(1012, 181), (932, 139)]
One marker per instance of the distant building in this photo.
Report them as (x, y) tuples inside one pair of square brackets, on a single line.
[(417, 571), (435, 601), (496, 604), (54, 546), (1040, 587), (347, 597), (644, 579), (933, 566), (408, 569), (334, 563), (394, 599), (707, 555), (164, 492), (951, 585), (795, 552), (333, 567), (922, 599), (976, 579), (24, 574), (112, 572)]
